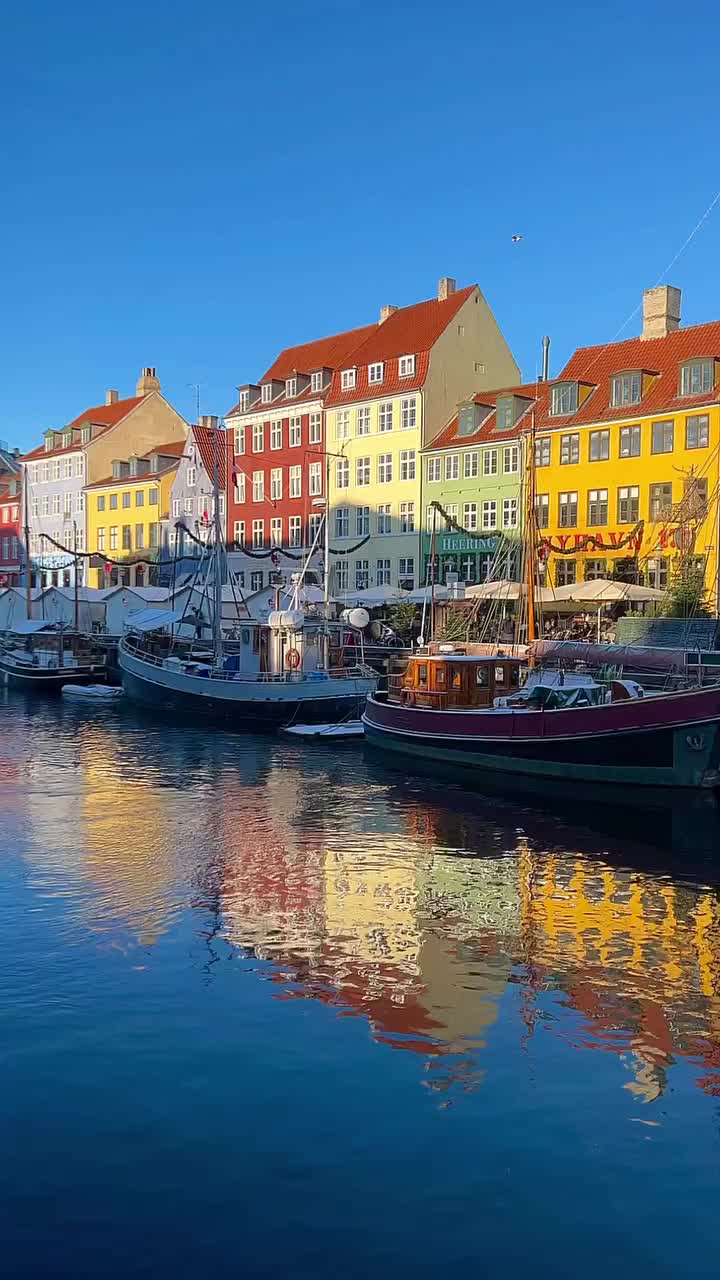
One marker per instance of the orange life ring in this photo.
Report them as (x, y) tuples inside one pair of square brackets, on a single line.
[(292, 659)]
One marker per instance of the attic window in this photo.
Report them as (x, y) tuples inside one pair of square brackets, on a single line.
[(505, 413), (266, 392), (86, 435), (697, 377), (49, 442), (376, 372), (564, 399), (468, 419), (347, 379), (244, 399), (406, 366), (290, 388), (627, 388), (316, 381), (67, 439)]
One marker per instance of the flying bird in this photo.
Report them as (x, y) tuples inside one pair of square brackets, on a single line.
[(516, 239)]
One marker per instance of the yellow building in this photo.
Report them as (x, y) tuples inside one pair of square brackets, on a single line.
[(627, 446), (124, 512), (396, 391)]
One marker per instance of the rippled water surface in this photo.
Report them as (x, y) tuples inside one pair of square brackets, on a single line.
[(274, 1010)]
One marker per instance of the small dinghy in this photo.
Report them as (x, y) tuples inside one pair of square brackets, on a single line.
[(91, 692), (349, 729)]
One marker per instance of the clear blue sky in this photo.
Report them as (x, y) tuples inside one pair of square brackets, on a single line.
[(194, 186)]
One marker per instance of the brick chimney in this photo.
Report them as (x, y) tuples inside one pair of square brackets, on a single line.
[(386, 312), (446, 288), (208, 420), (147, 382), (661, 311), (112, 397)]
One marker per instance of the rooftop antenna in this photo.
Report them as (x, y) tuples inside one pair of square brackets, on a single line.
[(195, 386)]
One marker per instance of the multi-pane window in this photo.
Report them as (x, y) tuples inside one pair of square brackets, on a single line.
[(139, 497), (276, 434), (490, 462), (384, 518), (385, 468), (347, 379), (342, 424), (452, 466), (362, 574), (266, 392), (406, 366), (176, 508), (295, 531), (126, 500), (470, 466), (67, 504), (660, 501), (139, 537), (565, 572), (406, 572), (258, 486), (630, 442), (240, 486), (276, 483), (542, 451), (342, 522), (362, 421), (239, 533), (510, 513), (408, 413), (362, 471), (56, 469), (341, 575), (258, 437), (470, 515), (315, 428), (46, 506), (295, 478), (697, 431), (382, 573), (569, 448), (594, 569), (101, 539), (375, 372), (407, 517), (407, 464), (489, 515), (362, 521), (316, 380), (258, 533), (256, 580), (239, 440), (290, 388), (542, 510), (511, 459), (450, 518), (67, 468), (385, 416), (663, 436), (434, 470), (697, 377), (315, 479), (597, 506), (599, 446), (56, 504), (295, 432), (189, 506), (627, 388), (568, 510), (101, 502), (342, 473), (314, 525), (113, 537), (628, 504), (657, 573), (80, 466), (564, 399)]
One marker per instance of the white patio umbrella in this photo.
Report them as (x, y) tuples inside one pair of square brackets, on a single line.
[(423, 595), (372, 597), (607, 591), (505, 590)]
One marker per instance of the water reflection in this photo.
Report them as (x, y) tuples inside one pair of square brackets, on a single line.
[(448, 922)]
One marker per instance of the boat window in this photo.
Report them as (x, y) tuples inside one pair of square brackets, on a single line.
[(457, 678), (422, 673), (481, 676), (499, 675), (439, 674)]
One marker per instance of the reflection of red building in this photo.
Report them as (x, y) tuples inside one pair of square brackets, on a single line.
[(11, 543)]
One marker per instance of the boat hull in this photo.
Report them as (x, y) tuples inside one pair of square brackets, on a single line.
[(48, 679), (246, 705), (665, 740)]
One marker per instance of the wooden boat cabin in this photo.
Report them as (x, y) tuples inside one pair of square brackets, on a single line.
[(454, 681)]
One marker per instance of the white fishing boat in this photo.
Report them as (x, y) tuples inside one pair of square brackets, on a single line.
[(39, 655), (93, 693)]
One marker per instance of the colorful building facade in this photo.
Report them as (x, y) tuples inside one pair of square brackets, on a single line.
[(12, 547), (125, 512), (192, 497)]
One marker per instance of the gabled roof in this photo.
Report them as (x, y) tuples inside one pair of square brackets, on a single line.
[(202, 437), (309, 357), (410, 330), (174, 449), (658, 356), (101, 415), (535, 393)]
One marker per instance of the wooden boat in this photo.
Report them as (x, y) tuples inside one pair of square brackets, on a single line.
[(39, 655), (475, 711)]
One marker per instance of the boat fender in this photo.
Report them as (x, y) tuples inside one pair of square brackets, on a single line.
[(292, 659)]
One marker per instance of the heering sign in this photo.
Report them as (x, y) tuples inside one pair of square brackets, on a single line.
[(455, 542)]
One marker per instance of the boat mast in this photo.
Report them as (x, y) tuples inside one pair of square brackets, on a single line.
[(217, 578), (433, 548), (530, 546), (28, 588), (75, 578), (326, 564)]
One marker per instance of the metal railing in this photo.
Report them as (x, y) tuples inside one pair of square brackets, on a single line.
[(357, 672)]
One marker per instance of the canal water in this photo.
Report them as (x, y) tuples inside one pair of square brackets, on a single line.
[(281, 1010)]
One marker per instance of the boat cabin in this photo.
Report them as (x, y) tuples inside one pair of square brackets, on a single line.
[(454, 681)]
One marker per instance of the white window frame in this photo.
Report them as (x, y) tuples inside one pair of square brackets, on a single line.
[(510, 513), (290, 388), (315, 479), (315, 428), (258, 532), (407, 517), (434, 470), (266, 392), (363, 475), (258, 486), (470, 515), (471, 465), (408, 464), (295, 538), (385, 417), (342, 473), (384, 519), (408, 413), (406, 366), (376, 372), (452, 466), (295, 432), (276, 484), (362, 421), (276, 434), (489, 514), (384, 468), (342, 522), (239, 441), (295, 482), (258, 435), (348, 379), (316, 381), (342, 424)]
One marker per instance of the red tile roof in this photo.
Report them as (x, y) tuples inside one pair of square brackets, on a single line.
[(101, 415), (309, 357), (203, 438), (174, 449), (536, 395), (408, 331)]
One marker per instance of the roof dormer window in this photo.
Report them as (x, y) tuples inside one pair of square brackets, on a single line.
[(564, 399), (376, 372), (290, 388), (697, 377), (244, 400), (406, 366), (266, 392), (49, 441), (86, 435), (316, 381), (67, 439), (627, 388), (347, 379)]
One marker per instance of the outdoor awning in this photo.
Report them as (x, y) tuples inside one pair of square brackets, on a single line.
[(152, 619), (607, 590), (30, 626)]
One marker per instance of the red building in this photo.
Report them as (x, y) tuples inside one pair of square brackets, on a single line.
[(276, 457), (11, 544)]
